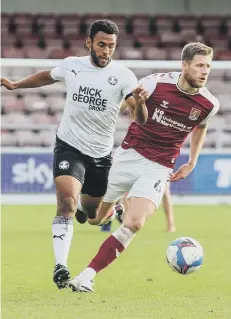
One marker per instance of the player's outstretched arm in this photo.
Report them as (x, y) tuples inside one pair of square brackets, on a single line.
[(197, 141), (35, 80), (137, 106)]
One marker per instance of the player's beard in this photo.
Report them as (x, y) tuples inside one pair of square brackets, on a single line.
[(193, 83), (96, 59)]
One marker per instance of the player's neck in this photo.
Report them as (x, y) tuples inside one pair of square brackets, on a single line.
[(185, 86), (92, 62)]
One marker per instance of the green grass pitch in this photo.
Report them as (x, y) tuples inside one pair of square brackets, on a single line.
[(138, 285)]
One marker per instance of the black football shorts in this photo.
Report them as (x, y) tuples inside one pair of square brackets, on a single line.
[(91, 172)]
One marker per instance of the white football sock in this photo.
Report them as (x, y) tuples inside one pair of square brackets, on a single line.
[(88, 273), (123, 235), (62, 230)]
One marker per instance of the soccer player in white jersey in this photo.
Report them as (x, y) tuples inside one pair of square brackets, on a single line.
[(96, 88), (178, 104)]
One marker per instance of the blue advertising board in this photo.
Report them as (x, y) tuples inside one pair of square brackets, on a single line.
[(31, 172)]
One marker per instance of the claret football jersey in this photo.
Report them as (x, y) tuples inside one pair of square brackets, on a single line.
[(172, 115)]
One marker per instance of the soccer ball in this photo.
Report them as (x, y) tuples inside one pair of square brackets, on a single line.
[(184, 255)]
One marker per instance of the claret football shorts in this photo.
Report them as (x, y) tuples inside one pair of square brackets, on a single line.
[(135, 174)]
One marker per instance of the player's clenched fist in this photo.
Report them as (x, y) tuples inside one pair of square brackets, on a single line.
[(140, 94), (7, 84)]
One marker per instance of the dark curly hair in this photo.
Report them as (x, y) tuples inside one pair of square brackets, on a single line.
[(105, 26)]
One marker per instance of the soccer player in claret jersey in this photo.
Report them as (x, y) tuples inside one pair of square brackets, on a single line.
[(96, 88), (178, 104)]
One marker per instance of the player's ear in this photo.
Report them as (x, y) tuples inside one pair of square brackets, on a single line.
[(88, 43), (184, 65)]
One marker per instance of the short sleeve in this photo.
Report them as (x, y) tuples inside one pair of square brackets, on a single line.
[(130, 85), (58, 73), (149, 82), (211, 114)]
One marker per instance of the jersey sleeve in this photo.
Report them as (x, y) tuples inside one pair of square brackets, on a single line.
[(58, 73), (149, 82), (130, 85), (211, 114)]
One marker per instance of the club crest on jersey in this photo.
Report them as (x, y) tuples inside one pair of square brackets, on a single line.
[(112, 80), (194, 114)]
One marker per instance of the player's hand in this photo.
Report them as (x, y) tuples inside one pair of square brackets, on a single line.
[(140, 94), (182, 172), (8, 84)]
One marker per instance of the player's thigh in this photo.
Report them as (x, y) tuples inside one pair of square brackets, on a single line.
[(69, 173), (122, 175), (95, 185), (68, 161), (151, 187), (138, 211), (96, 176), (167, 193)]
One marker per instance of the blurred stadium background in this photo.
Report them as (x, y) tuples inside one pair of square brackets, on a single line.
[(152, 33)]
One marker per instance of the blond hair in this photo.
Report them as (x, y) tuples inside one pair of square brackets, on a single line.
[(191, 49)]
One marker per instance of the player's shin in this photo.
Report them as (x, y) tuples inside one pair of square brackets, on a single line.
[(111, 248), (62, 231)]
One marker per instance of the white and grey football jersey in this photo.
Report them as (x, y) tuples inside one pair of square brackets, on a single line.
[(94, 97)]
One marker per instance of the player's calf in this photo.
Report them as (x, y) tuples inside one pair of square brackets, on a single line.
[(109, 251), (82, 215)]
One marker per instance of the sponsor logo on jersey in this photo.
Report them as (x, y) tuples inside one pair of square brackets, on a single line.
[(159, 116), (194, 114), (74, 72), (112, 80), (92, 97), (64, 165), (164, 104)]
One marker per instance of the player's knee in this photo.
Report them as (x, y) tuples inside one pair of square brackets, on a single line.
[(67, 205), (134, 225)]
